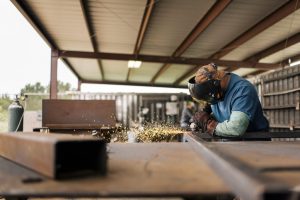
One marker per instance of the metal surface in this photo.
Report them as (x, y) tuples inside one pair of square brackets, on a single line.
[(144, 25), (255, 170), (53, 74), (268, 21), (55, 155), (87, 19), (78, 114), (134, 170), (203, 23), (164, 59), (248, 136)]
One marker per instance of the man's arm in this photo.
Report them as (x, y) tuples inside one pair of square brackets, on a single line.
[(235, 126)]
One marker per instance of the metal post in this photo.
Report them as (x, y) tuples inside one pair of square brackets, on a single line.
[(53, 76), (79, 85)]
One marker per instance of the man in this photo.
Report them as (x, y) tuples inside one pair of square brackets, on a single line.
[(187, 115), (234, 103)]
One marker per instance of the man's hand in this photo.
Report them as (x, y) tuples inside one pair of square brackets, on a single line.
[(205, 122)]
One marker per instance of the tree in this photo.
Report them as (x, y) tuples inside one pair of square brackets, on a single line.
[(62, 87), (33, 88)]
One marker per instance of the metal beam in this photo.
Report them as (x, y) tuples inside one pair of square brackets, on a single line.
[(132, 84), (271, 19), (55, 155), (27, 12), (164, 59), (53, 74), (144, 25), (271, 50), (79, 85), (291, 59), (209, 17), (87, 19), (265, 23)]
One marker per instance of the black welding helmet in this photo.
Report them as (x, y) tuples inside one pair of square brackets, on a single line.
[(209, 91)]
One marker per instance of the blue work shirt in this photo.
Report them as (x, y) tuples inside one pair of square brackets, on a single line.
[(241, 95)]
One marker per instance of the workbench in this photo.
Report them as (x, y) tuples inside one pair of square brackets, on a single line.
[(250, 170), (134, 170)]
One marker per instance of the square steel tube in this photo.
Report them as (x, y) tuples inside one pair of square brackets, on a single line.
[(55, 155)]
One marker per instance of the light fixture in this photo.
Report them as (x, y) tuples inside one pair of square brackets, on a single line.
[(295, 63), (134, 64)]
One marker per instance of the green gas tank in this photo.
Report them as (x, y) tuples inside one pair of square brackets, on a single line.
[(15, 116)]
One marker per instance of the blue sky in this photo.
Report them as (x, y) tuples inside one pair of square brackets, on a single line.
[(25, 58)]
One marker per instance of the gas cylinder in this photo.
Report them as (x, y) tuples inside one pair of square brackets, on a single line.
[(15, 116)]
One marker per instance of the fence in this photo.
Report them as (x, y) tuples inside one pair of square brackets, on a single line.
[(281, 99)]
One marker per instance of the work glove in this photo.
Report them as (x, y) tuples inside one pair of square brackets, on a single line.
[(205, 122)]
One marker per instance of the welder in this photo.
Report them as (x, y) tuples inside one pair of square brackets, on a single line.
[(234, 106)]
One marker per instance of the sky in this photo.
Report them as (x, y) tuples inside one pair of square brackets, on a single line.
[(25, 58)]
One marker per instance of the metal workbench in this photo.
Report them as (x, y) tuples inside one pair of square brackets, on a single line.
[(250, 170), (134, 170)]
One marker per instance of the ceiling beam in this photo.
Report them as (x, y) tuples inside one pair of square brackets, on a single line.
[(144, 25), (271, 50), (92, 35), (262, 25), (163, 59), (132, 84), (209, 17), (27, 12), (274, 17), (286, 62)]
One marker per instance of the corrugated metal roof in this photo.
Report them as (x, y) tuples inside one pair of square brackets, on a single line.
[(276, 33), (239, 16), (243, 71), (283, 54), (172, 73), (171, 22), (64, 21), (116, 23), (87, 68), (145, 73), (115, 70)]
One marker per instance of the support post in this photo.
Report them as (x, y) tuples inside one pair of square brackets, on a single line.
[(53, 75), (79, 85)]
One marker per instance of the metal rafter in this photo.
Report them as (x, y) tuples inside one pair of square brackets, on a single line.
[(87, 19), (273, 49), (131, 83), (163, 59), (144, 25), (262, 25), (265, 23), (209, 17), (40, 29)]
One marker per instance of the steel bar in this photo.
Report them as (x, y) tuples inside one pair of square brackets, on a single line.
[(55, 155), (53, 75), (254, 170), (164, 59), (248, 136)]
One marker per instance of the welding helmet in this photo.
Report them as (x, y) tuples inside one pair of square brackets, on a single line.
[(209, 90)]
